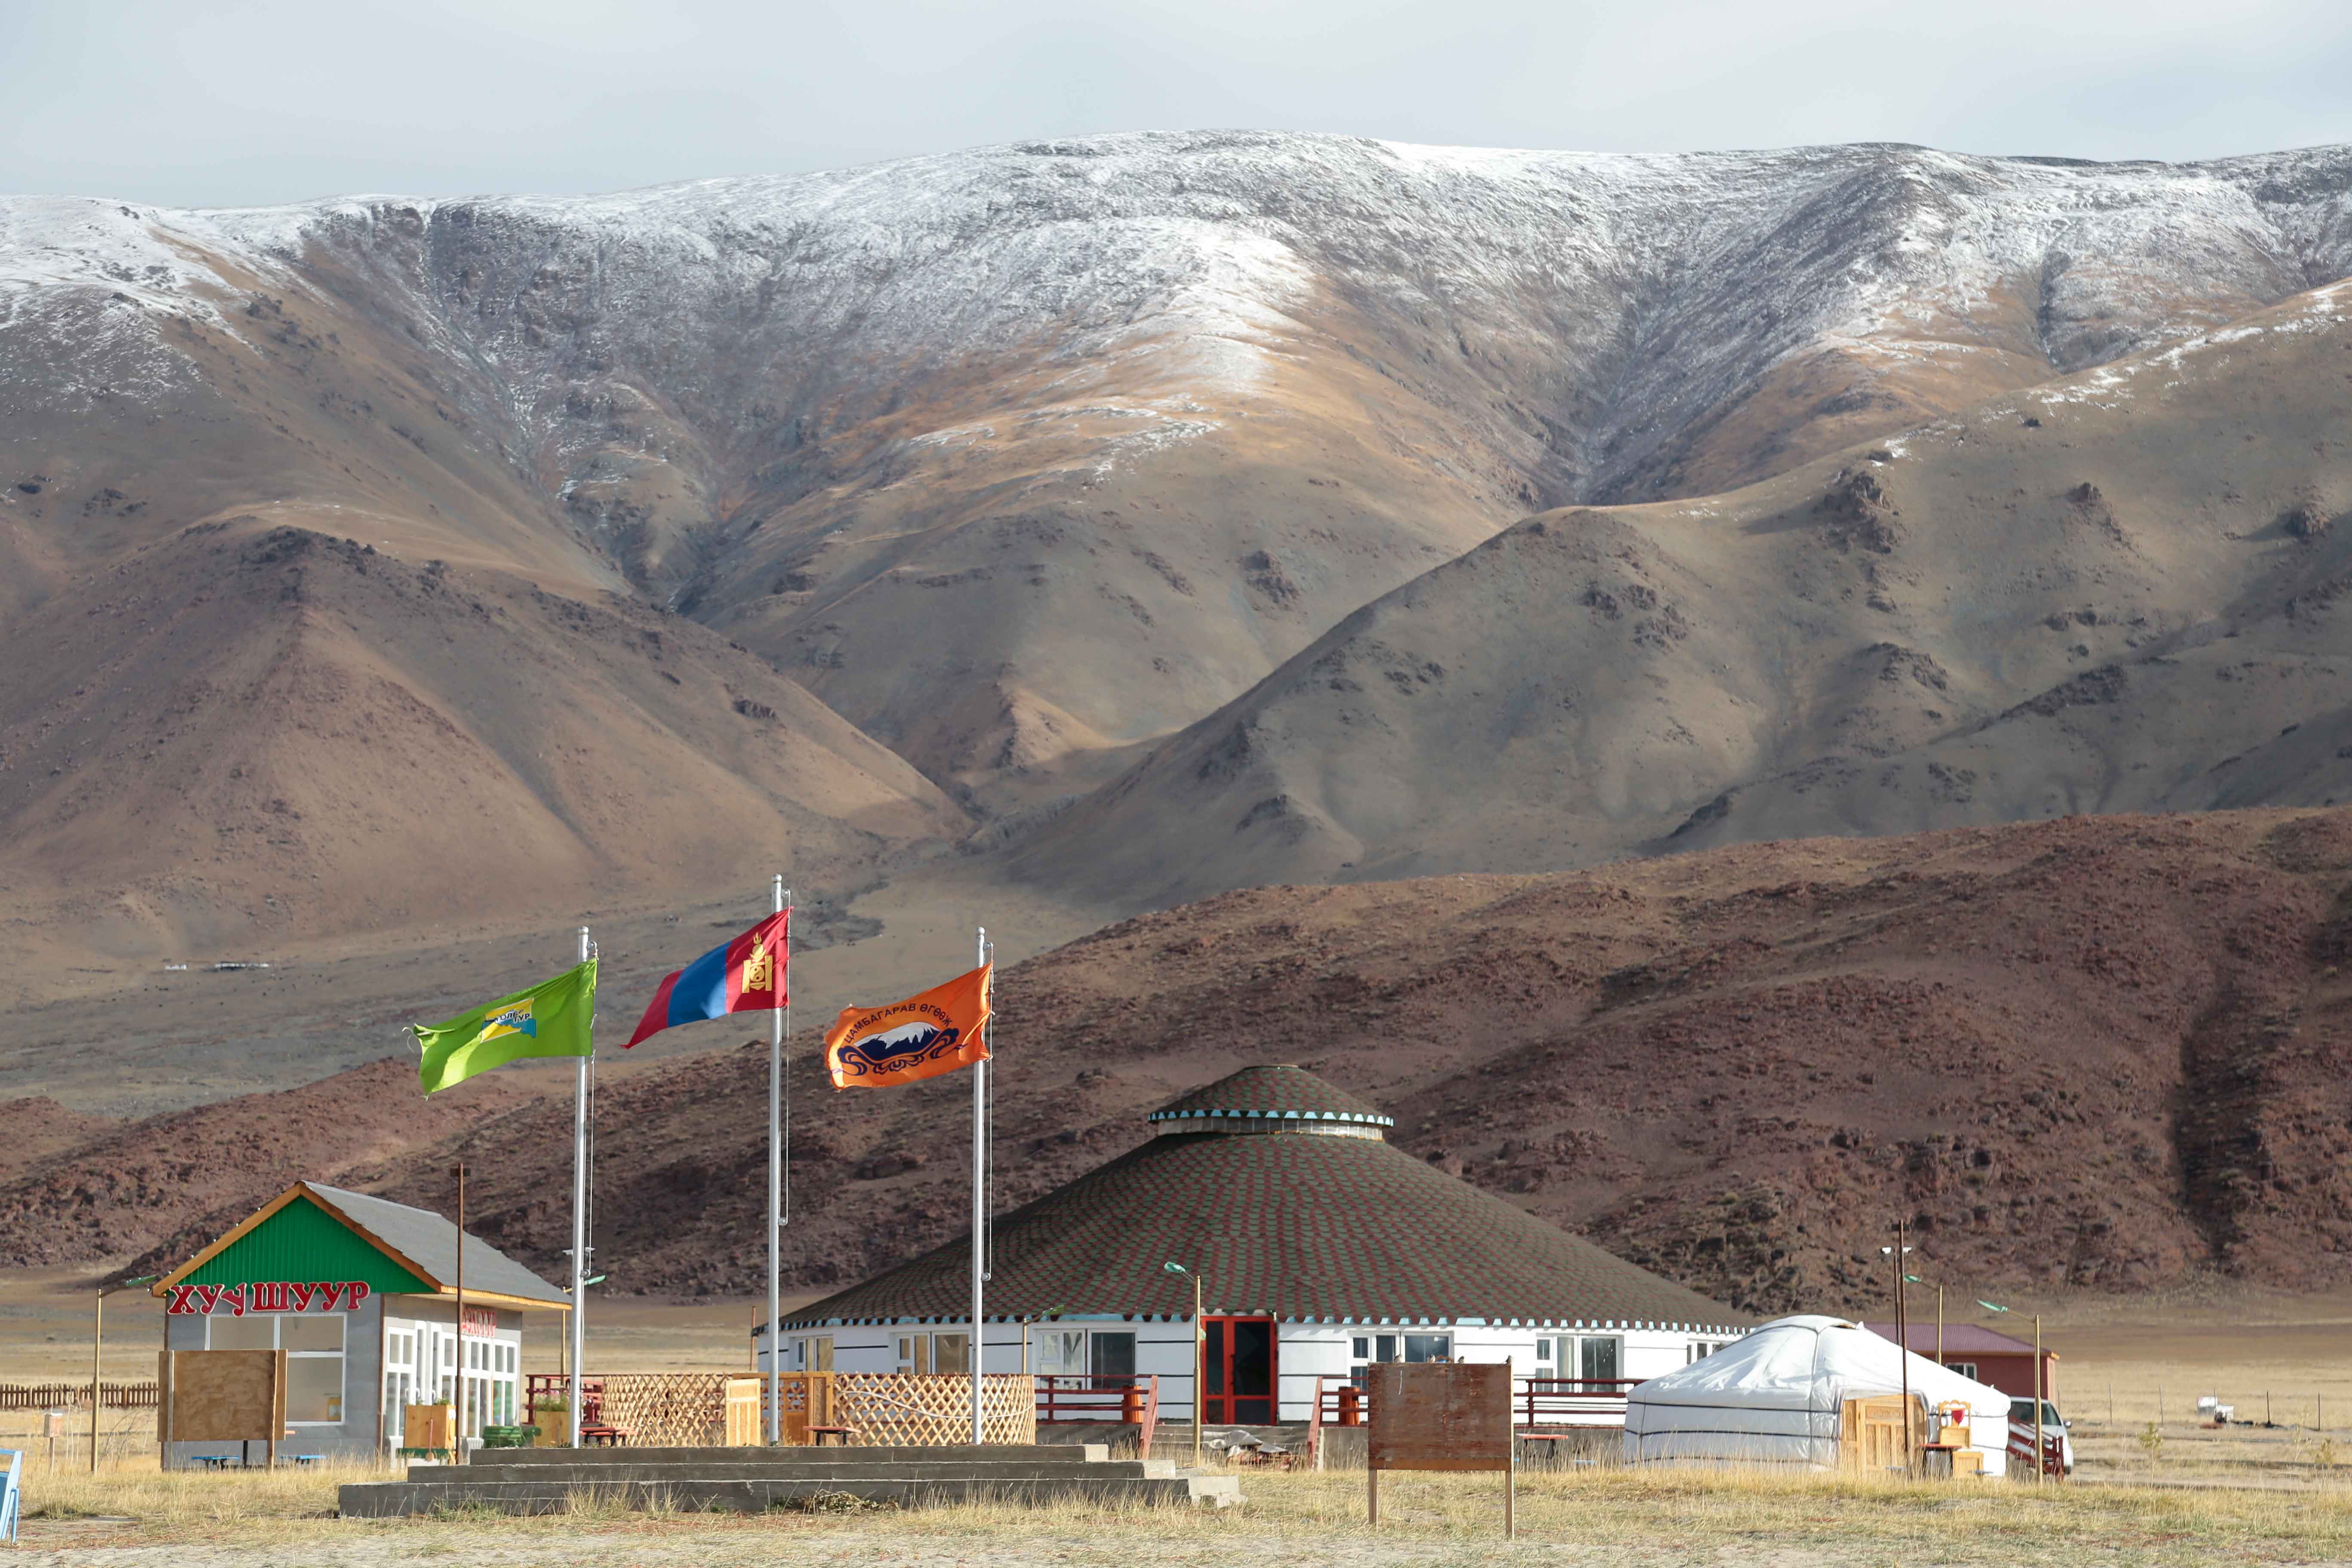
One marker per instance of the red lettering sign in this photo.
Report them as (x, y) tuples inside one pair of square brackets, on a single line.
[(266, 1296), (481, 1323)]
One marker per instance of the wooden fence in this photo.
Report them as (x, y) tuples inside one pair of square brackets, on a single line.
[(75, 1395), (689, 1409), (918, 1410)]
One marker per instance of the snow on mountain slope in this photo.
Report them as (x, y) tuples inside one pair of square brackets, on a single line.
[(1037, 452)]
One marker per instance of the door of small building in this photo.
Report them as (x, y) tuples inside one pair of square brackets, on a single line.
[(1238, 1370)]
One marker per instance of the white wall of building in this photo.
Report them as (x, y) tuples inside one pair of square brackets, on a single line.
[(1305, 1351)]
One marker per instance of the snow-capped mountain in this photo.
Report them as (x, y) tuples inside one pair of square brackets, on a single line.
[(1027, 457)]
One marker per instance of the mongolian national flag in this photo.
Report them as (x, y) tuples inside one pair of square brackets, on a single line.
[(746, 975), (944, 1028), (550, 1019)]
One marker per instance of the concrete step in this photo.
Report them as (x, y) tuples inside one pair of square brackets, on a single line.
[(384, 1499), (719, 1467), (1060, 1453)]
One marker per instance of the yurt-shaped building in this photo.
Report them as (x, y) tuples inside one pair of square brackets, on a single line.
[(1317, 1248)]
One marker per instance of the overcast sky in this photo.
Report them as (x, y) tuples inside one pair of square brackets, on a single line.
[(222, 104)]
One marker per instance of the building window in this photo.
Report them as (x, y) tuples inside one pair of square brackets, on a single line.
[(1543, 1355), (1400, 1347), (1058, 1353), (1598, 1359), (313, 1343), (813, 1353), (1114, 1354), (944, 1355), (1968, 1369)]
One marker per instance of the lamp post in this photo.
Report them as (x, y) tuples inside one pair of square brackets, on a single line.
[(97, 1345), (1898, 1252), (1199, 1377)]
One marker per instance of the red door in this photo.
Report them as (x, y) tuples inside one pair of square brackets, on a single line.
[(1238, 1370)]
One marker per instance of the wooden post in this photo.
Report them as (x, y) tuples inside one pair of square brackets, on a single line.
[(1511, 1492), (1372, 1493), (97, 1342), (2037, 1399), (276, 1409)]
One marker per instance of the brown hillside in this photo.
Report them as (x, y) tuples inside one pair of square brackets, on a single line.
[(2107, 1052), (275, 734), (2116, 593)]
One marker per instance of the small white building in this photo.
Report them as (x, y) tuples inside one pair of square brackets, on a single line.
[(1319, 1248), (362, 1295)]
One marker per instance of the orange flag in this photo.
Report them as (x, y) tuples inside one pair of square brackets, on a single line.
[(941, 1030)]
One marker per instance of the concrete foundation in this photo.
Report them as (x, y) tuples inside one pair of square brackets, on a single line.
[(551, 1480)]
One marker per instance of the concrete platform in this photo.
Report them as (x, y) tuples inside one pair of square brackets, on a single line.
[(551, 1480)]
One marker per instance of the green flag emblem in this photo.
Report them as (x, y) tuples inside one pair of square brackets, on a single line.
[(550, 1019)]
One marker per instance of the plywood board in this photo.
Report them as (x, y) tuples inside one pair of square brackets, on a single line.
[(1439, 1416), (223, 1396)]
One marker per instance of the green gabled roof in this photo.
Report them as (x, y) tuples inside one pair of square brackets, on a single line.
[(301, 1240), (311, 1232), (1328, 1228)]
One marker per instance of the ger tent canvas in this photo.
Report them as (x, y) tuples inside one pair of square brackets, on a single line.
[(1776, 1397)]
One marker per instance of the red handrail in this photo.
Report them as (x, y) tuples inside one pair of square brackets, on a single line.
[(1132, 1398), (1536, 1402)]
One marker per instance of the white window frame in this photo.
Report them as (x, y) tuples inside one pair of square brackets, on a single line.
[(340, 1357)]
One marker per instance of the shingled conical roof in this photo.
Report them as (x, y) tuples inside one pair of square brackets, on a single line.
[(1280, 1191)]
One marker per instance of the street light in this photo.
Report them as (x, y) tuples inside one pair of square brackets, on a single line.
[(98, 1344), (1898, 1252), (1198, 1357)]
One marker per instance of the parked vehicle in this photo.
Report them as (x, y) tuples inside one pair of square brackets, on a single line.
[(2056, 1438)]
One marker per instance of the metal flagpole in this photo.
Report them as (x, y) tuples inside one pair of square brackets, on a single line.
[(776, 1190), (979, 1199), (579, 1212), (458, 1455)]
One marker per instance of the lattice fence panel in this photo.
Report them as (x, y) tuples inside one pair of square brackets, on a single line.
[(668, 1409), (886, 1409)]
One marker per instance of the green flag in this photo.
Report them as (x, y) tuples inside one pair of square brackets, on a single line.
[(550, 1019)]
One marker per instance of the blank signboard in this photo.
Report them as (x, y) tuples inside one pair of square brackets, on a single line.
[(222, 1396), (1441, 1415)]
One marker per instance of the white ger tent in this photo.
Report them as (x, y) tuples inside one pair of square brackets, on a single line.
[(1777, 1396)]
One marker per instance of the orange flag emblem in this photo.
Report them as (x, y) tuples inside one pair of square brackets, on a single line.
[(938, 1031)]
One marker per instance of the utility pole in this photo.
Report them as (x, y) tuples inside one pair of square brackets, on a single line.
[(97, 1349), (1903, 1333)]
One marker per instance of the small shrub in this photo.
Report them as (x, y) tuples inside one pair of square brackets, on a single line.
[(2151, 1440), (833, 1503)]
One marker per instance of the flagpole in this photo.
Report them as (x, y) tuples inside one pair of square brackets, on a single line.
[(579, 1215), (457, 1454), (979, 1201), (775, 1189)]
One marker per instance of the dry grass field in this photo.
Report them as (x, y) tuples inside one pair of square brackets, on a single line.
[(136, 1517)]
